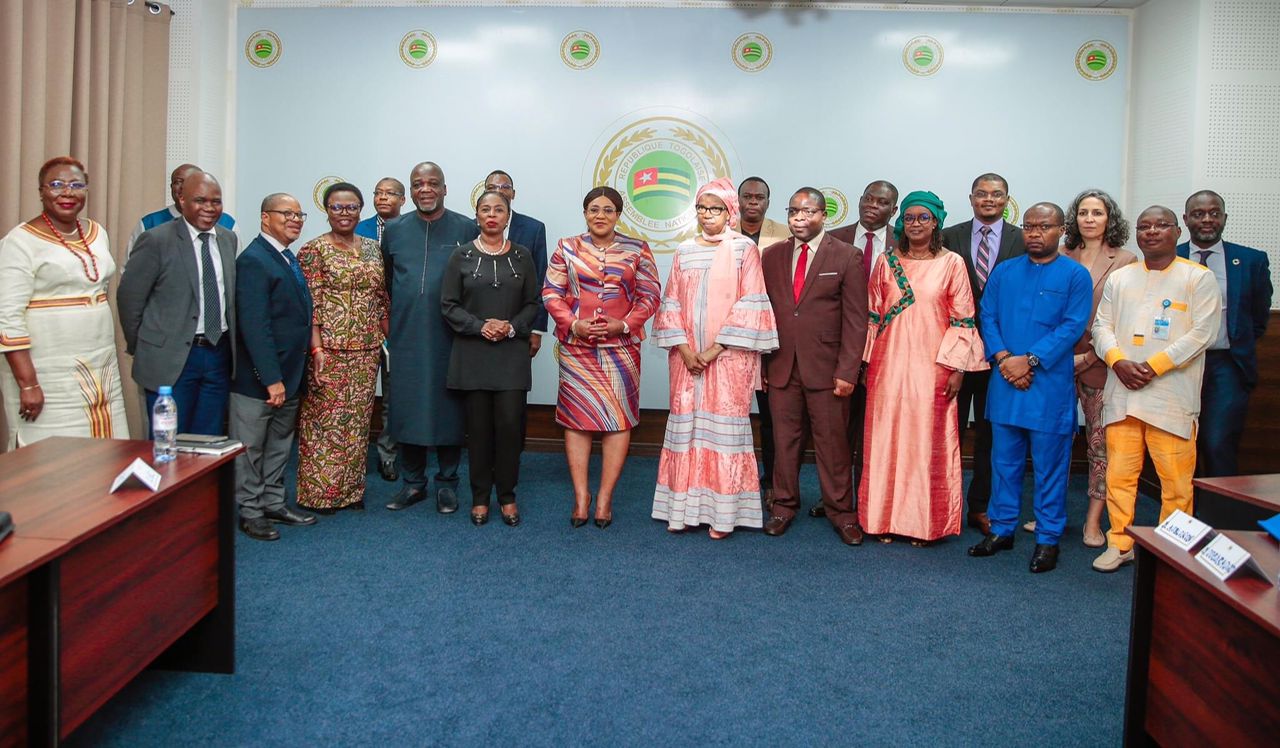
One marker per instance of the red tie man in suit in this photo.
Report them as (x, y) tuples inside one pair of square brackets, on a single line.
[(819, 296)]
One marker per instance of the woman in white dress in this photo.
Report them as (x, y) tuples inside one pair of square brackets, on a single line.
[(60, 376)]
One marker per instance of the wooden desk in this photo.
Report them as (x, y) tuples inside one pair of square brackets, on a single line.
[(94, 587), (1203, 654), (1259, 490)]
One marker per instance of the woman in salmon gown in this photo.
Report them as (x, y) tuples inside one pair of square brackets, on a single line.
[(921, 339)]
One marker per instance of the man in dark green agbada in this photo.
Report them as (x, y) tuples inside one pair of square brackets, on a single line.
[(425, 414)]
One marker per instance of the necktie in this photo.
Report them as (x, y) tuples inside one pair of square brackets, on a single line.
[(1204, 256), (866, 256), (984, 255), (209, 285), (293, 265), (802, 264)]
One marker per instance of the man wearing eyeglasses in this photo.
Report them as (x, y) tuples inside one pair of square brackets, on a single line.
[(172, 212), (271, 378), (529, 233), (388, 199), (819, 297), (1154, 323), (1231, 363), (177, 308), (1034, 310), (983, 242)]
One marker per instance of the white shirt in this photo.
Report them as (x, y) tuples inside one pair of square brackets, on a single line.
[(217, 272), (1216, 261), (275, 243)]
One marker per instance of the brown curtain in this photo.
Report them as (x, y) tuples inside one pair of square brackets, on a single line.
[(89, 79)]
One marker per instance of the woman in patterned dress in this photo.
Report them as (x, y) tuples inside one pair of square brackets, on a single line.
[(601, 287), (715, 320), (344, 274), (60, 375), (920, 341)]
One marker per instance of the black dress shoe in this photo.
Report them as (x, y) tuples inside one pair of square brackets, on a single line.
[(776, 525), (818, 510), (406, 498), (259, 528), (511, 520), (387, 469), (1045, 558), (446, 501), (992, 544), (478, 518), (286, 516)]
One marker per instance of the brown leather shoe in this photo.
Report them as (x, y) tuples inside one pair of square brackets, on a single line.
[(776, 525), (979, 522), (818, 510), (850, 534)]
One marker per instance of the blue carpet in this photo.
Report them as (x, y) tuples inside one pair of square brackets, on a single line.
[(415, 628)]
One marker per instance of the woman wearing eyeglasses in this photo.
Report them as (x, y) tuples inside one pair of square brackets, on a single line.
[(715, 320), (60, 376), (601, 287), (490, 295), (348, 292), (920, 342)]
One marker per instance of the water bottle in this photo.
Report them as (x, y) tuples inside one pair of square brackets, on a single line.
[(164, 426)]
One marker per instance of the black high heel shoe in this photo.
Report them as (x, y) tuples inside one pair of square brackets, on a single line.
[(603, 522), (511, 520), (575, 521)]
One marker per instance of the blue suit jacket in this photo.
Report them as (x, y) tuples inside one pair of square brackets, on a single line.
[(531, 234), (368, 228), (273, 346), (1248, 303)]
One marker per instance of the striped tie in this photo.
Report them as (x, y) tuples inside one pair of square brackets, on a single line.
[(209, 286), (983, 261), (1204, 256)]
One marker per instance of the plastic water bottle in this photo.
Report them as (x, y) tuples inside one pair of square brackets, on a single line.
[(164, 425)]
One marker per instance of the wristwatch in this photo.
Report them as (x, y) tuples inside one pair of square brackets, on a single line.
[(1033, 360)]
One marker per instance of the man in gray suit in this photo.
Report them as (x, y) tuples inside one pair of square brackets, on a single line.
[(177, 308)]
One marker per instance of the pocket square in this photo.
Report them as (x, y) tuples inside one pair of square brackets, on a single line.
[(822, 275)]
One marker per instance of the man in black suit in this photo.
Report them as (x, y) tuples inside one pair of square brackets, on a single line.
[(531, 234), (983, 242), (1231, 363), (271, 375)]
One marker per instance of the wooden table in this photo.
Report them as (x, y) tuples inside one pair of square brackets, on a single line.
[(1204, 655), (1259, 490), (95, 587)]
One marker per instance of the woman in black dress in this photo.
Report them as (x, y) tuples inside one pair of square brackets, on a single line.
[(490, 295)]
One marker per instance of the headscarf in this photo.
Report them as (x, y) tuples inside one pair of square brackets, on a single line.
[(722, 283), (920, 197)]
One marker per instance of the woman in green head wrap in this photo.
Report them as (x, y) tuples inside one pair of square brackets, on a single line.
[(920, 341)]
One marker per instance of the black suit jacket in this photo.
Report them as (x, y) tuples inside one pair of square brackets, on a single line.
[(1248, 303), (273, 346), (849, 235), (531, 234), (959, 239)]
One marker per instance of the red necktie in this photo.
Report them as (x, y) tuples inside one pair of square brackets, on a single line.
[(802, 264), (866, 256)]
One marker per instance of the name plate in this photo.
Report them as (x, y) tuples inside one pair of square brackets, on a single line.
[(145, 474), (1223, 558), (1183, 530)]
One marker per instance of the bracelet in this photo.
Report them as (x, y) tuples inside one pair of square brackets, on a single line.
[(1001, 359), (32, 387), (316, 350)]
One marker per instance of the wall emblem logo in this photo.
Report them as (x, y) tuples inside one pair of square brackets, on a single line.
[(317, 194), (476, 192), (837, 207), (922, 55), (1011, 211), (263, 49), (658, 163), (580, 50), (752, 52), (418, 49), (1096, 60)]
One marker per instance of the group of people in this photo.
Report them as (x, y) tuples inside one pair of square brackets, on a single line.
[(878, 341)]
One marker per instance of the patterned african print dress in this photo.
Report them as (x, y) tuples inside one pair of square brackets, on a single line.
[(600, 382), (921, 329), (333, 422), (51, 308), (707, 471)]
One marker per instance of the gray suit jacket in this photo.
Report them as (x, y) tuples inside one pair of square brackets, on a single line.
[(158, 300)]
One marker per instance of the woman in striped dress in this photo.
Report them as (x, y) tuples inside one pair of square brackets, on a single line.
[(716, 320), (601, 287)]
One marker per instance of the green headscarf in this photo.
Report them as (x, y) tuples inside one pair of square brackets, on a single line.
[(920, 197)]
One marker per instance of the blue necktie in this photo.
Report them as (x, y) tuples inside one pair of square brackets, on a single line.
[(297, 273)]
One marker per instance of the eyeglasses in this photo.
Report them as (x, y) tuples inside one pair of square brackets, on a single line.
[(500, 187), (923, 219), (58, 185), (598, 211), (291, 215), (806, 212), (983, 195), (387, 193), (1039, 228), (339, 209), (1158, 226), (709, 210), (1200, 215)]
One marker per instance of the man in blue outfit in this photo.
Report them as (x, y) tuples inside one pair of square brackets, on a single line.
[(1034, 309)]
